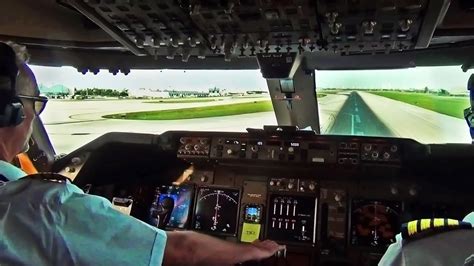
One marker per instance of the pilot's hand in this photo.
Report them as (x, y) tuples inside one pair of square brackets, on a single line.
[(265, 249)]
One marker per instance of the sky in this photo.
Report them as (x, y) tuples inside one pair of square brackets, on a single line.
[(450, 78)]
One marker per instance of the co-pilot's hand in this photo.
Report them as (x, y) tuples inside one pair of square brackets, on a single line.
[(265, 249)]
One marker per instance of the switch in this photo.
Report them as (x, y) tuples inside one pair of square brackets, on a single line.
[(272, 154), (291, 186), (394, 190), (275, 206)]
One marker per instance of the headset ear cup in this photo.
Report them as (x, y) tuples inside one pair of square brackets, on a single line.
[(13, 115), (18, 113)]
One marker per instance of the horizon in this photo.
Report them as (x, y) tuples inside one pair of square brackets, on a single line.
[(450, 78)]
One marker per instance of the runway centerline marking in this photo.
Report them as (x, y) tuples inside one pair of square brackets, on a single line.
[(352, 124)]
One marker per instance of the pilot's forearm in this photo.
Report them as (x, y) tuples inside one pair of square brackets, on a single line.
[(190, 248)]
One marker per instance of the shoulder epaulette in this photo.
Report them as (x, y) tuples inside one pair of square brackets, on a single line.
[(424, 227)]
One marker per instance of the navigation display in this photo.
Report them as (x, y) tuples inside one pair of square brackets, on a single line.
[(217, 210), (374, 223), (182, 198)]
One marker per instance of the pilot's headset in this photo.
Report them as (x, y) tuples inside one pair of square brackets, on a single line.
[(11, 108)]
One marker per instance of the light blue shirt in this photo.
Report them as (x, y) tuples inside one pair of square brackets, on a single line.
[(49, 223), (11, 172)]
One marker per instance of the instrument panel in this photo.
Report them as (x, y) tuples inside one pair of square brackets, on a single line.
[(333, 200)]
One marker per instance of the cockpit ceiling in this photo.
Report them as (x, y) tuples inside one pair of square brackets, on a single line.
[(183, 31)]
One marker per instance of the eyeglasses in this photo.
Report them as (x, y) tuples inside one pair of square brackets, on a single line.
[(39, 102)]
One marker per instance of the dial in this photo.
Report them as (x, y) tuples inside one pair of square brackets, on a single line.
[(374, 223)]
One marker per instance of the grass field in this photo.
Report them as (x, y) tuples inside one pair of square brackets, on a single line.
[(198, 112), (448, 105), (185, 100)]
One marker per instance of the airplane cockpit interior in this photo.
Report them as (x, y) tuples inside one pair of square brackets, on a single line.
[(334, 187)]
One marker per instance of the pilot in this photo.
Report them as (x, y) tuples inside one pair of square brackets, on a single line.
[(54, 223), (433, 242)]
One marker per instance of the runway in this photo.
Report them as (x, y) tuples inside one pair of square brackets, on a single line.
[(71, 124)]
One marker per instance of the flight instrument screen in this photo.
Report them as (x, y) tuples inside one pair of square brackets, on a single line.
[(217, 210), (182, 198)]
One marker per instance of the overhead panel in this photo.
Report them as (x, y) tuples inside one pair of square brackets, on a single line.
[(244, 28)]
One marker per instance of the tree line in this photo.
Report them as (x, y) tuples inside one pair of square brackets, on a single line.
[(100, 92)]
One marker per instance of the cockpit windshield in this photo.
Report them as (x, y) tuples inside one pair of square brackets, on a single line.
[(425, 103)]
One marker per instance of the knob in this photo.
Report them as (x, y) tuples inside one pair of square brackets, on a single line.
[(197, 147), (291, 149), (76, 161), (394, 190), (254, 148), (291, 185), (182, 140), (203, 141), (229, 152), (70, 169), (375, 155), (386, 155), (203, 178), (272, 183), (412, 191), (312, 186), (337, 197), (394, 148), (368, 147), (278, 183), (188, 147)]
